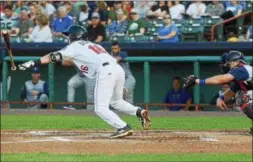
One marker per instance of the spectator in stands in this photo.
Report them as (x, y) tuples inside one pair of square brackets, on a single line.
[(62, 22), (9, 21), (102, 5), (47, 8), (37, 7), (33, 13), (178, 96), (142, 9), (135, 24), (196, 9), (19, 6), (102, 14), (127, 6), (249, 34), (112, 14), (176, 10), (35, 90), (25, 25), (215, 8), (118, 26), (240, 2), (77, 6), (96, 31), (232, 9), (69, 7), (224, 88), (82, 17), (42, 31), (169, 31), (235, 8), (158, 11)]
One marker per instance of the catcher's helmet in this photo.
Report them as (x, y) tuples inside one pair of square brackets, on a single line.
[(235, 56), (76, 32), (223, 63)]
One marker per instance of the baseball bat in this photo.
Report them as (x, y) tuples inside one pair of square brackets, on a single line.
[(6, 37)]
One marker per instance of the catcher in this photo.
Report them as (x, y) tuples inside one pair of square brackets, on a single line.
[(240, 78)]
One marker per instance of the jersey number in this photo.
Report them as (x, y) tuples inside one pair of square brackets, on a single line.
[(84, 69), (98, 50)]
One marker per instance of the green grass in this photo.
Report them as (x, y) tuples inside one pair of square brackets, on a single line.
[(94, 122), (127, 157)]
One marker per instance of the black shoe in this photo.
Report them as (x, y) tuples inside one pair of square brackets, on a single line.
[(144, 118), (123, 132)]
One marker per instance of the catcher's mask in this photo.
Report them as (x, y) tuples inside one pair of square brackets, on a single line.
[(223, 63), (235, 56), (76, 32)]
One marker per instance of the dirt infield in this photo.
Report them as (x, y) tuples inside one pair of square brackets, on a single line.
[(76, 142)]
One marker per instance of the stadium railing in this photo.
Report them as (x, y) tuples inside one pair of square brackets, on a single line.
[(146, 72), (239, 20)]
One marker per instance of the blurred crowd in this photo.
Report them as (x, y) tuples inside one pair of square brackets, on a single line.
[(44, 21)]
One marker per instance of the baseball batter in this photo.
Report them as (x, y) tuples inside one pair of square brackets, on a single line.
[(95, 62)]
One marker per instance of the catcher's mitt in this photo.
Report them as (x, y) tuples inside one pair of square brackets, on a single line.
[(189, 81)]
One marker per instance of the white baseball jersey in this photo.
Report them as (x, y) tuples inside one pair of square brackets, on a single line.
[(87, 56)]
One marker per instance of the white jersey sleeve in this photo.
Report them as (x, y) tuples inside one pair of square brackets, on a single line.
[(68, 52)]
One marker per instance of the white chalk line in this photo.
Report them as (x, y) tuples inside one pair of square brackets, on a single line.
[(51, 139)]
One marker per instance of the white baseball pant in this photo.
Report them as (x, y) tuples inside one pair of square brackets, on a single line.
[(109, 91)]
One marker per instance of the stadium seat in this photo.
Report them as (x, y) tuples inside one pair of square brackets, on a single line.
[(208, 23), (122, 38), (239, 25), (192, 33), (60, 39), (139, 38), (157, 21), (249, 6), (192, 21)]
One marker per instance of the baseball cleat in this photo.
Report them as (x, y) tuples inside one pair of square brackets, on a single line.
[(69, 107), (123, 132)]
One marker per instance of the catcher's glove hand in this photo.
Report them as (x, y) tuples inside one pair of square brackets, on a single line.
[(189, 81)]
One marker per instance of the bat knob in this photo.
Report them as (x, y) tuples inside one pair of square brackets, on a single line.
[(13, 68)]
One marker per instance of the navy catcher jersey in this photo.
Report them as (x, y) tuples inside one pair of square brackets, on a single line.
[(243, 78)]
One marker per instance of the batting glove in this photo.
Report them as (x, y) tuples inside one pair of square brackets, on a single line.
[(26, 65)]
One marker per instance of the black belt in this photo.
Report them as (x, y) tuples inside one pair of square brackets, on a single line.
[(105, 64)]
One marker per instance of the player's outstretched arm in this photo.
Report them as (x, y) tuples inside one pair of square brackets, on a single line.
[(191, 80), (218, 79), (47, 59)]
